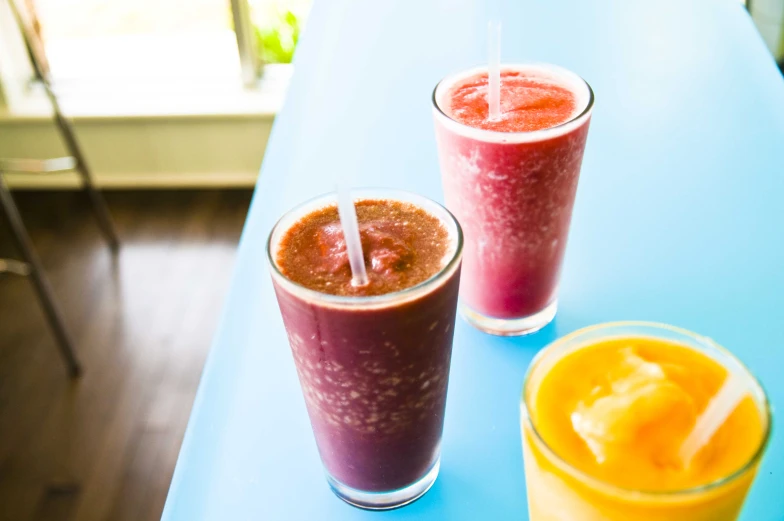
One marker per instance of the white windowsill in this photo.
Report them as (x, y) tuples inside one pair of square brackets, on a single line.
[(199, 98)]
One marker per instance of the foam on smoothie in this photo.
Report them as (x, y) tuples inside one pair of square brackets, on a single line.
[(403, 245), (533, 98)]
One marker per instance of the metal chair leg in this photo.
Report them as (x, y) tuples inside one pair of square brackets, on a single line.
[(100, 210), (41, 284)]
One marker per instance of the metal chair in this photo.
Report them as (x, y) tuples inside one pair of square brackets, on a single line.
[(33, 44), (31, 265)]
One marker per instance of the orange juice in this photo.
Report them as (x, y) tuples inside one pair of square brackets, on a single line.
[(605, 411)]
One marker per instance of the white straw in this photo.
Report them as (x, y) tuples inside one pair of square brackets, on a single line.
[(494, 70), (715, 414), (348, 220)]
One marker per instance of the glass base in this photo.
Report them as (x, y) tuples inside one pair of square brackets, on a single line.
[(510, 326), (385, 500)]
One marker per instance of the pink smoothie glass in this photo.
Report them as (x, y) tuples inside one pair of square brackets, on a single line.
[(512, 193)]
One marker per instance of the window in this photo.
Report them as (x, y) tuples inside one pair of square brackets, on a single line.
[(150, 44), (137, 40)]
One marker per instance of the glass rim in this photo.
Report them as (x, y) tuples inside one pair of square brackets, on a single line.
[(612, 488), (329, 199), (516, 137)]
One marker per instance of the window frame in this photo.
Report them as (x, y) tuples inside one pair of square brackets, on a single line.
[(250, 62), (16, 71)]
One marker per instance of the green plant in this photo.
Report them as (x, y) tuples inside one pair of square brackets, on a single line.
[(277, 31)]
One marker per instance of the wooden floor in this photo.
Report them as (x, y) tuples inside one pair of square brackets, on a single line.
[(104, 447)]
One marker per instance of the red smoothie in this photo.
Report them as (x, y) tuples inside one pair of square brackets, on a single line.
[(511, 183), (373, 361), (527, 103)]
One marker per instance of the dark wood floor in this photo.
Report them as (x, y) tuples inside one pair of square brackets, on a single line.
[(104, 447)]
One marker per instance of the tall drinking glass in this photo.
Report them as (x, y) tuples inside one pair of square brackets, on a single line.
[(374, 369), (512, 192)]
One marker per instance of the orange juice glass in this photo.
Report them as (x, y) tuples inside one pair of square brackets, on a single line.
[(604, 412)]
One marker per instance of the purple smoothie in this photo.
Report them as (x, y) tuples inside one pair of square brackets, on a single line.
[(374, 369)]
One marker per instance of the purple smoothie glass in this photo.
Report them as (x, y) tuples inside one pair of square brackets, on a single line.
[(374, 370)]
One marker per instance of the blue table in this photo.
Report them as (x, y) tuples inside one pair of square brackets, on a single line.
[(679, 218)]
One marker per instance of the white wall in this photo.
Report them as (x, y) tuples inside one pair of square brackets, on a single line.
[(768, 15), (188, 151)]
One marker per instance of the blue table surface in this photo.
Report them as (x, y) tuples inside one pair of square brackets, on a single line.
[(679, 218)]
